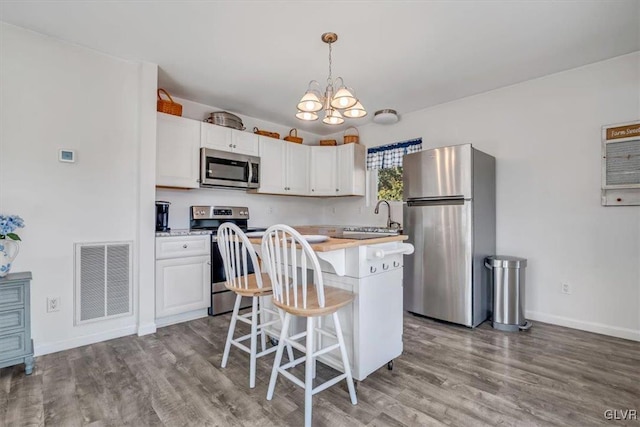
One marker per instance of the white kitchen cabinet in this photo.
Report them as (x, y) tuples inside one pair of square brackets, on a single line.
[(284, 167), (324, 171), (351, 170), (183, 274), (227, 139), (297, 168), (177, 154)]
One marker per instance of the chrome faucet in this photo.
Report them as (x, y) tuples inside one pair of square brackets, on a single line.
[(389, 222)]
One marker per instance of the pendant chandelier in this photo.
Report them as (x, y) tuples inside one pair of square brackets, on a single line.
[(335, 103)]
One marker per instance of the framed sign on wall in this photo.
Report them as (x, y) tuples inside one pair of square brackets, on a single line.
[(621, 164)]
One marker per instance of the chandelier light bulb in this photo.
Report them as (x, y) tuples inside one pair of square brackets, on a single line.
[(333, 117), (356, 111), (310, 102), (306, 115), (343, 98)]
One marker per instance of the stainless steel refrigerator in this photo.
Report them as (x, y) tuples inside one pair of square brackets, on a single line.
[(450, 217)]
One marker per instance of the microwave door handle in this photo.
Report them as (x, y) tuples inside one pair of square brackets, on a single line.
[(250, 166)]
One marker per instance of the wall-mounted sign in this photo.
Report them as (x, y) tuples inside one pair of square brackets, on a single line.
[(624, 131), (621, 164)]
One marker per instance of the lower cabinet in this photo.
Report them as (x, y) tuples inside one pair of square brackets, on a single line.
[(183, 279)]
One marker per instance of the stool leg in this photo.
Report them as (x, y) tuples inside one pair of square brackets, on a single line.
[(309, 371), (289, 349), (278, 359), (232, 328), (345, 359), (254, 342), (263, 334)]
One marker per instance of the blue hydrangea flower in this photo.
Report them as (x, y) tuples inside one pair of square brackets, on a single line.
[(9, 224), (1, 247)]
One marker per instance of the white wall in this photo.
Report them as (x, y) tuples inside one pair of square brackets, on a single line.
[(545, 135), (56, 95), (265, 210)]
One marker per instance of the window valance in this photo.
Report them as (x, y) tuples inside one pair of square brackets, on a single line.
[(390, 155)]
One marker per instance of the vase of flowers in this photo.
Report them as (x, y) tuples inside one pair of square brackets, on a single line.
[(9, 246)]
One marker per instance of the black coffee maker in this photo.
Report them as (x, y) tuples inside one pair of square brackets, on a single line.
[(162, 216)]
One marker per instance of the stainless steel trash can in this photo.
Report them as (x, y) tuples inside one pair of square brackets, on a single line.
[(508, 292)]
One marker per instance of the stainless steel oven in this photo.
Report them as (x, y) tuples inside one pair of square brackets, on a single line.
[(210, 218), (223, 169)]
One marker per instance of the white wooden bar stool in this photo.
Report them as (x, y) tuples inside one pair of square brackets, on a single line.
[(236, 252), (284, 251)]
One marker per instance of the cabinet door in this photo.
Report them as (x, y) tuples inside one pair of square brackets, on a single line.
[(323, 171), (245, 142), (215, 137), (177, 156), (272, 166), (297, 168), (182, 285), (351, 174)]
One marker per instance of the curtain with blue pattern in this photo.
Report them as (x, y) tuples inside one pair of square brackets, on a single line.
[(390, 155)]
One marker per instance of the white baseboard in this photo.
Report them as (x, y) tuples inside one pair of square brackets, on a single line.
[(54, 347), (149, 328), (182, 317), (598, 328)]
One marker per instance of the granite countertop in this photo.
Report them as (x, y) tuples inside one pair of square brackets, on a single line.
[(182, 232)]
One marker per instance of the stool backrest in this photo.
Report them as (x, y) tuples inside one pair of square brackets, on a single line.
[(236, 251), (284, 251)]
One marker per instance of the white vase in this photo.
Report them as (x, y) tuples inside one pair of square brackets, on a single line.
[(8, 252)]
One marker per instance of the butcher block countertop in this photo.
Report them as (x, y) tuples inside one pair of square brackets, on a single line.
[(334, 244)]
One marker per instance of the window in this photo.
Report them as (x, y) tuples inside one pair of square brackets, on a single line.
[(385, 166), (390, 184)]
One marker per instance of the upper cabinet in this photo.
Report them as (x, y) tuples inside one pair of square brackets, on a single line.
[(284, 167), (351, 170), (324, 171), (227, 139), (177, 152)]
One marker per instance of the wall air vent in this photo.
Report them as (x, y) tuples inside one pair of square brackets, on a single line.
[(621, 164), (103, 281)]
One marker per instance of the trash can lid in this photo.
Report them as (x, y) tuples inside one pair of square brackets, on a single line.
[(506, 261)]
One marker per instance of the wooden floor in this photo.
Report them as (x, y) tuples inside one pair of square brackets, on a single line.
[(447, 375)]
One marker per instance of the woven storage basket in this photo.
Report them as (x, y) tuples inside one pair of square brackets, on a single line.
[(275, 135), (351, 139), (170, 106), (328, 142), (294, 137)]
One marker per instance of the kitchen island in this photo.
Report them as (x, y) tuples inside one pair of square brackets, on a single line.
[(372, 325)]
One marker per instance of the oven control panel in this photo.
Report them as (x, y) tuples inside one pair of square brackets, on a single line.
[(219, 212)]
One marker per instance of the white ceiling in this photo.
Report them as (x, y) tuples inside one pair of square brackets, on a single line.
[(256, 58)]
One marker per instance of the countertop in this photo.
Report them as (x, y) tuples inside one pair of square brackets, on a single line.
[(334, 244), (182, 232)]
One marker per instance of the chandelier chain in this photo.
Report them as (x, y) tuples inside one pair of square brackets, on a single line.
[(329, 79)]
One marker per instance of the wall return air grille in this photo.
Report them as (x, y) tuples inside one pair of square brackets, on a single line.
[(103, 281)]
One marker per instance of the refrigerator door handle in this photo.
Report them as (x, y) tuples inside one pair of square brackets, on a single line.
[(436, 202)]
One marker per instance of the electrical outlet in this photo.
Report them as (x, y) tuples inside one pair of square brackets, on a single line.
[(269, 210), (333, 209), (565, 288), (53, 304)]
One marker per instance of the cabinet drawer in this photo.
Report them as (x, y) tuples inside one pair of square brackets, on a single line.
[(12, 319), (12, 345), (11, 295), (182, 246)]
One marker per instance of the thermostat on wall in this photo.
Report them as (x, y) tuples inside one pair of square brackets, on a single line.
[(68, 156)]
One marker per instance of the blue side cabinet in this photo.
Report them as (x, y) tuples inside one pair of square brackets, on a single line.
[(16, 345)]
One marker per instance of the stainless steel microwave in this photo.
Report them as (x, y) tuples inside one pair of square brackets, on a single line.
[(223, 169)]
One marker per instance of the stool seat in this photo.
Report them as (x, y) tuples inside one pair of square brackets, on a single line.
[(334, 300), (253, 289)]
